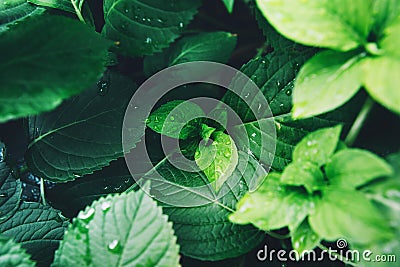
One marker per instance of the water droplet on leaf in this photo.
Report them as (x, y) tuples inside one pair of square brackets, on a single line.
[(114, 246), (288, 92), (87, 215), (102, 87), (105, 206)]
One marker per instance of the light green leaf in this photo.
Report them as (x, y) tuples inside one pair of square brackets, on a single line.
[(317, 147), (385, 13), (208, 46), (217, 160), (65, 5), (120, 230), (303, 238), (303, 173), (325, 23), (50, 68), (12, 255), (206, 131), (84, 133), (38, 229), (344, 213), (229, 5), (355, 167), (273, 206), (143, 27), (177, 119), (16, 10), (325, 82), (10, 193), (381, 80), (205, 232)]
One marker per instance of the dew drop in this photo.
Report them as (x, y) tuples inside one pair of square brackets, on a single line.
[(227, 153), (4, 195), (114, 246), (148, 40), (253, 135), (2, 154), (106, 187), (77, 175), (289, 92), (246, 95), (171, 118), (278, 125), (102, 87), (311, 143), (278, 83), (126, 10), (160, 20), (181, 25), (105, 206), (87, 215)]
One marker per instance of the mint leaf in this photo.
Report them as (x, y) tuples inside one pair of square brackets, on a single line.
[(121, 230), (217, 160), (177, 119), (355, 167), (273, 206), (205, 232), (36, 78), (344, 213), (229, 5), (10, 193), (317, 147), (331, 77), (143, 27), (209, 46), (16, 10), (303, 173), (303, 238), (326, 23), (11, 254), (84, 133), (37, 228)]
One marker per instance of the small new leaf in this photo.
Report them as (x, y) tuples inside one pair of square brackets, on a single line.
[(217, 160), (303, 173), (355, 167), (177, 119), (317, 147), (304, 238)]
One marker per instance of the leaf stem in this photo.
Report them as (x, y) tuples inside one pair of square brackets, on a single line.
[(359, 122), (42, 193), (78, 11)]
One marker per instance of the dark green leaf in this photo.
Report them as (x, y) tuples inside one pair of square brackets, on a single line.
[(55, 64), (303, 173), (143, 27), (344, 213), (217, 160), (10, 193), (121, 230), (204, 232), (16, 10), (355, 167), (38, 228), (12, 255), (210, 46), (325, 23), (74, 196), (325, 82), (318, 147), (273, 206), (84, 133), (177, 119), (274, 75)]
